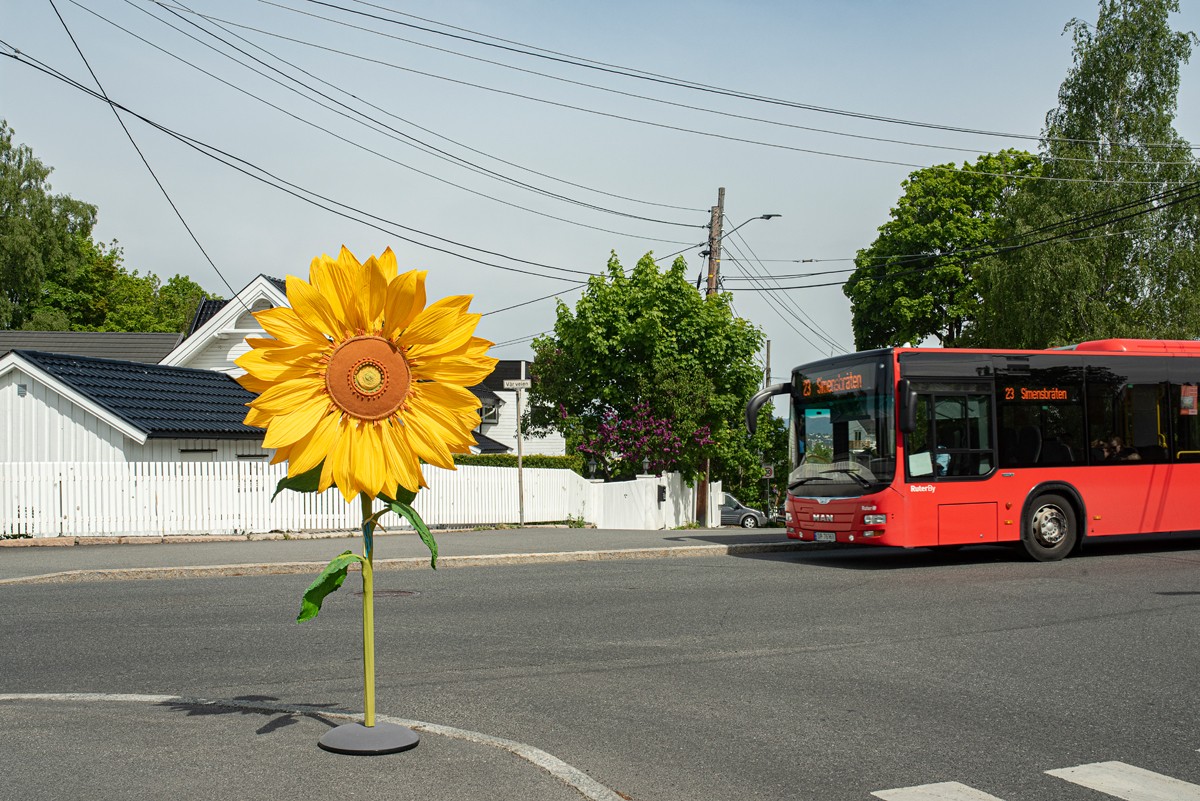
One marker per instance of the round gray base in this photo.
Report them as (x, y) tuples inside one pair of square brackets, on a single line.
[(382, 738)]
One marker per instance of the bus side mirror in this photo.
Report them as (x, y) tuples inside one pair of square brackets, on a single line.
[(908, 406), (759, 399)]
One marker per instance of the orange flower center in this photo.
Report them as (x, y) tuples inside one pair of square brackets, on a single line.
[(368, 377)]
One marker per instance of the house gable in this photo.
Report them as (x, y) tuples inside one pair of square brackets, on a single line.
[(218, 335)]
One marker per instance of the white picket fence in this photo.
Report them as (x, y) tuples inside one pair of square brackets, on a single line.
[(172, 498)]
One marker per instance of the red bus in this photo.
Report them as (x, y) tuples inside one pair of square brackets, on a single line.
[(929, 447)]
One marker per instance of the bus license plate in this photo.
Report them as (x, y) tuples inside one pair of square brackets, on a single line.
[(826, 536)]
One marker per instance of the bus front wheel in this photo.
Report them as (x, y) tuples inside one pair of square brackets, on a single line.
[(1050, 528)]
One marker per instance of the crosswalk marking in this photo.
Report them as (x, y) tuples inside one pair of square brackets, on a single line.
[(943, 791), (1128, 782)]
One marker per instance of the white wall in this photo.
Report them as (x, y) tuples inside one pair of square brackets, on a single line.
[(504, 430), (43, 426)]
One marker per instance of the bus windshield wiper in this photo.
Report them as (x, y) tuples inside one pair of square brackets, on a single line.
[(800, 481), (862, 482)]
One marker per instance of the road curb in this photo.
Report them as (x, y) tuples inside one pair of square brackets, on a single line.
[(409, 563)]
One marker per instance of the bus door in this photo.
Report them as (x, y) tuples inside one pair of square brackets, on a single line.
[(947, 455), (1129, 432)]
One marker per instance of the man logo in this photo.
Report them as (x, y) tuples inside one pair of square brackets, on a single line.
[(822, 518)]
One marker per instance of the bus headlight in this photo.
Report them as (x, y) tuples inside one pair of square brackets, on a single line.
[(874, 520)]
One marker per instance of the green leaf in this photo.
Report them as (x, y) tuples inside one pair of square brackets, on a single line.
[(410, 514), (403, 495), (305, 482), (330, 579)]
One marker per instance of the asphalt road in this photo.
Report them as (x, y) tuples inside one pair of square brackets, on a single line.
[(815, 675)]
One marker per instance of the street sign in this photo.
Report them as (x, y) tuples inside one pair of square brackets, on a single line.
[(768, 471), (517, 383)]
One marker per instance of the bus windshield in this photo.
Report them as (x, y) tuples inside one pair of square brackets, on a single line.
[(842, 441)]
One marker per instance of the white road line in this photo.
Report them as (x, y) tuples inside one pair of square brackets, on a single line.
[(585, 785), (1128, 782), (943, 791)]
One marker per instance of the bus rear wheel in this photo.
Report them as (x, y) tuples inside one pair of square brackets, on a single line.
[(1050, 530)]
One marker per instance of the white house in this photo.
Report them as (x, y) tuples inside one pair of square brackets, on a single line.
[(67, 408), (64, 419)]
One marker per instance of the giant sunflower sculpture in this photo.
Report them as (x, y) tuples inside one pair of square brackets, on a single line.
[(362, 379), (359, 383)]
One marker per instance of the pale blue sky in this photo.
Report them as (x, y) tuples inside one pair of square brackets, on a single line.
[(988, 66)]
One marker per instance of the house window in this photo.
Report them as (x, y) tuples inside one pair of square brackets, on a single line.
[(197, 454), (489, 414)]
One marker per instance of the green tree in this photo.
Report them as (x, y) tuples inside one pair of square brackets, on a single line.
[(41, 234), (1121, 258), (649, 340), (54, 277), (142, 303), (915, 279)]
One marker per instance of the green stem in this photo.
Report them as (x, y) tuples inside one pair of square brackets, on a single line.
[(368, 576)]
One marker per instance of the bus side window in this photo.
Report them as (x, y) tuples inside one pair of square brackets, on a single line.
[(917, 444)]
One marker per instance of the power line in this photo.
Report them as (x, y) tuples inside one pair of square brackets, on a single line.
[(302, 193), (541, 53), (661, 101), (369, 123), (811, 324), (666, 126), (142, 155)]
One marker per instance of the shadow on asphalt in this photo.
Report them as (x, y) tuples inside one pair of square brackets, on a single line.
[(733, 537), (856, 557), (277, 720)]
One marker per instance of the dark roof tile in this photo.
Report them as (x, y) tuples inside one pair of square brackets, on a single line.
[(148, 348), (176, 402)]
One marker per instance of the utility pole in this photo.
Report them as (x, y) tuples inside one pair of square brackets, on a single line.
[(714, 242), (767, 370)]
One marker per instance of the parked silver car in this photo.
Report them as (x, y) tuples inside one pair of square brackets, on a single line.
[(735, 513)]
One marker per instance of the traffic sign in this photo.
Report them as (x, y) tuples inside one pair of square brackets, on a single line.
[(768, 471), (517, 383)]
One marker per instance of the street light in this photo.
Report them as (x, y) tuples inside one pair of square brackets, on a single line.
[(716, 237), (752, 219)]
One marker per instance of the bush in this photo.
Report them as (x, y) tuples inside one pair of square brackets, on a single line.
[(532, 460)]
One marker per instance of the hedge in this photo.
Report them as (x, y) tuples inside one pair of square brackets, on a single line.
[(532, 460)]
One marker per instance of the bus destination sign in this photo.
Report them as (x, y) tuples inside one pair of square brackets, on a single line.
[(1019, 393), (844, 381)]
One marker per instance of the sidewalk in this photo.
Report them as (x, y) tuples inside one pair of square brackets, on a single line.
[(23, 561)]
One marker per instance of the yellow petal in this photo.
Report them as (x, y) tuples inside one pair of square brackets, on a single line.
[(327, 468), (287, 429), (286, 396), (287, 327), (321, 274), (252, 384), (372, 293), (313, 308), (369, 459), (404, 300), (387, 263), (315, 447), (460, 370), (438, 330), (429, 443), (404, 467), (348, 279), (342, 459), (280, 364)]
